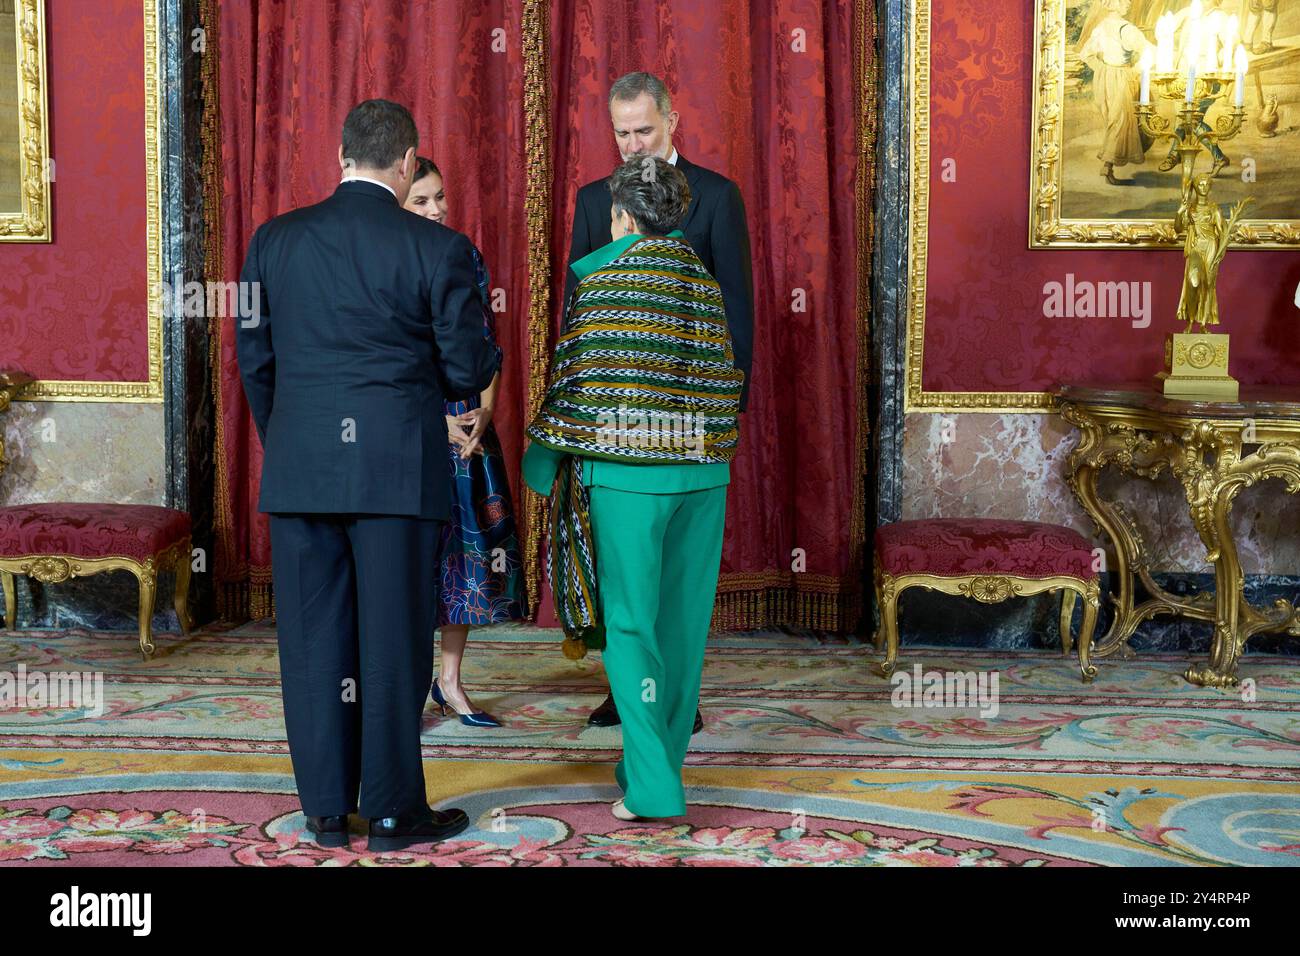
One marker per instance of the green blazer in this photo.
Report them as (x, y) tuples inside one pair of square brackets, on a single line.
[(541, 463)]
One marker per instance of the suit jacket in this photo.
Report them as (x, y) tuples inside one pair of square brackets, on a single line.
[(716, 228), (370, 316)]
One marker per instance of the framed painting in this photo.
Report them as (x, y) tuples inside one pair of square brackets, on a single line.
[(25, 169), (1098, 176)]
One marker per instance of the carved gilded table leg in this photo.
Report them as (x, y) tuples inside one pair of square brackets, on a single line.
[(1214, 471), (11, 600), (1205, 454), (1067, 615), (148, 578), (887, 599), (1097, 447), (181, 599), (1091, 605)]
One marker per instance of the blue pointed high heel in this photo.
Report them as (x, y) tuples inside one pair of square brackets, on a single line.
[(478, 718)]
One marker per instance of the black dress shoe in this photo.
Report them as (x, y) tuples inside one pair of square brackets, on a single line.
[(329, 831), (606, 715), (397, 833)]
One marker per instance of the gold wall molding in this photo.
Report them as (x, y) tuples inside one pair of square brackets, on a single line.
[(31, 222), (150, 390)]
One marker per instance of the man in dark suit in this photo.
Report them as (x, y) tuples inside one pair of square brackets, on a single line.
[(363, 319), (715, 226)]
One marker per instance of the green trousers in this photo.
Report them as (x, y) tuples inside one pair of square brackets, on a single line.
[(657, 560)]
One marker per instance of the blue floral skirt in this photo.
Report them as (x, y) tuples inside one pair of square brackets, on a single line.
[(482, 576)]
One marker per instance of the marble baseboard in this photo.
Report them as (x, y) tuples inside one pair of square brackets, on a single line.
[(102, 602), (927, 617)]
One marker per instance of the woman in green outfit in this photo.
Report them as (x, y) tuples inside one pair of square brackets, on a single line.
[(635, 436)]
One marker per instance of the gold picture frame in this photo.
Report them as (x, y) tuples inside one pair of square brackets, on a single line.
[(24, 176), (1062, 168), (149, 391)]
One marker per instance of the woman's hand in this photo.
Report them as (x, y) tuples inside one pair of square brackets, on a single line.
[(457, 433), (477, 420)]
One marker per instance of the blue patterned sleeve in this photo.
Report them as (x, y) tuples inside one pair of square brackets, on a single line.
[(485, 292)]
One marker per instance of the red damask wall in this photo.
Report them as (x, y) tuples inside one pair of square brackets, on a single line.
[(985, 330), (76, 308)]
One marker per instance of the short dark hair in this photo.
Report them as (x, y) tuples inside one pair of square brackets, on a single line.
[(377, 133), (653, 191), (423, 167)]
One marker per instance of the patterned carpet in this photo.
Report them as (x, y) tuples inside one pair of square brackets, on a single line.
[(803, 760)]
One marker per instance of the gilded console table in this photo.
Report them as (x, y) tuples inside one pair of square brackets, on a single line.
[(11, 383), (1214, 449)]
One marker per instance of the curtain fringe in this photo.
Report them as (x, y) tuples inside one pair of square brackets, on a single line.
[(738, 607), (742, 608), (241, 601)]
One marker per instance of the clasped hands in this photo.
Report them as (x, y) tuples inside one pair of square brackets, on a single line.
[(465, 432)]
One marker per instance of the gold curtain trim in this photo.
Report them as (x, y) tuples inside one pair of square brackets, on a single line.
[(238, 597), (864, 45), (537, 213)]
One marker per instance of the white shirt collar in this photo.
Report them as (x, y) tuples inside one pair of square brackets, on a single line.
[(672, 160), (367, 179)]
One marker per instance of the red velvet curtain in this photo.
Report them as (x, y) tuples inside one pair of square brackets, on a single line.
[(766, 97), (289, 72), (770, 95)]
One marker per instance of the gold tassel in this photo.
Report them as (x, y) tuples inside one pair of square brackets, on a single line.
[(574, 650)]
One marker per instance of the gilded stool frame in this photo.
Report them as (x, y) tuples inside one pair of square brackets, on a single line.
[(56, 568), (990, 589)]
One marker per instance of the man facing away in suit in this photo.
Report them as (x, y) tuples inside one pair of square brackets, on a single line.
[(364, 318), (644, 121)]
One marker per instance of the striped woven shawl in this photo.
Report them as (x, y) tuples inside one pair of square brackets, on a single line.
[(643, 373)]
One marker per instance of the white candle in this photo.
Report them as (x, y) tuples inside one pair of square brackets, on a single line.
[(1243, 62), (1191, 81), (1165, 44), (1145, 98)]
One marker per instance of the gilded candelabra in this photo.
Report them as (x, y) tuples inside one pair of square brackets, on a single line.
[(1196, 364)]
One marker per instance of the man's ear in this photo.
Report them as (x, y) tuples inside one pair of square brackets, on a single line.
[(343, 163), (673, 117), (407, 169)]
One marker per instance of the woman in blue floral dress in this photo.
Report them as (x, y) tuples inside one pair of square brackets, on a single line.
[(481, 578)]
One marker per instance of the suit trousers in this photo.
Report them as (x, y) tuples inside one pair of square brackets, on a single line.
[(355, 599), (657, 561)]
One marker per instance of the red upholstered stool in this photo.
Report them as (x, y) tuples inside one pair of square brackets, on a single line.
[(989, 560), (54, 542)]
